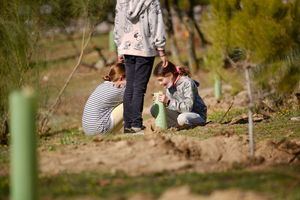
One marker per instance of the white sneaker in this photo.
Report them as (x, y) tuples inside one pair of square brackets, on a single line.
[(138, 131)]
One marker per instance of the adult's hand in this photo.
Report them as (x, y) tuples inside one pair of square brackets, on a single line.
[(121, 59), (164, 60), (163, 57)]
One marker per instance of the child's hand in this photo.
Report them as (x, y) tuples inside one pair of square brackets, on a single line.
[(153, 98), (120, 84), (163, 98)]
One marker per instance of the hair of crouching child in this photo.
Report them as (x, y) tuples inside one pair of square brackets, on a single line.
[(170, 68), (116, 72)]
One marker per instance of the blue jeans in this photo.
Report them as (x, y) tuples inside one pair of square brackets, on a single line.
[(138, 72)]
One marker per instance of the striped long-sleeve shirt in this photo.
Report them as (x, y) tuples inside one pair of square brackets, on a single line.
[(98, 108)]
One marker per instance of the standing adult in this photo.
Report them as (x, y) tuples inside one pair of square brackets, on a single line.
[(139, 34)]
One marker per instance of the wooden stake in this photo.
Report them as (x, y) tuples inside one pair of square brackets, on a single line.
[(250, 113)]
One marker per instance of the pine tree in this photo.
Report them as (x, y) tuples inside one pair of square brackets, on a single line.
[(22, 24), (266, 31), (263, 35), (17, 47)]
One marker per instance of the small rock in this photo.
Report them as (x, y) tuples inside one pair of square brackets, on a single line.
[(296, 119), (243, 119)]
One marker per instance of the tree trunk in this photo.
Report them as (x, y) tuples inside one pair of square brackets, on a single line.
[(190, 26), (171, 35), (193, 64), (185, 18), (204, 42), (174, 49), (4, 132)]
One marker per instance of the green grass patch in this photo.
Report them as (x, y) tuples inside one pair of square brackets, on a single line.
[(278, 183), (63, 52), (278, 127), (100, 40), (222, 116), (74, 137)]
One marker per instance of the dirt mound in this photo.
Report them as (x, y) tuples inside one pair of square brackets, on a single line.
[(216, 149), (284, 151), (159, 152), (234, 149), (132, 156)]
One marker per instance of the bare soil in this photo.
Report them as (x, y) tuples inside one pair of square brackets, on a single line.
[(157, 152)]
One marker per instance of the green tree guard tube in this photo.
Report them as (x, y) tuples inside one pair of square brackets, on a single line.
[(161, 119), (218, 87), (23, 167), (112, 45)]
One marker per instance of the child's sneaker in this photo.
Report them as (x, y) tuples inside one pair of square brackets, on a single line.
[(138, 131), (128, 131), (135, 130)]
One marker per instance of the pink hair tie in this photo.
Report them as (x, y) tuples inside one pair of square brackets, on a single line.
[(178, 69)]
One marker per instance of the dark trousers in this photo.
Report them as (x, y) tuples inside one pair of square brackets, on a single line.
[(138, 72)]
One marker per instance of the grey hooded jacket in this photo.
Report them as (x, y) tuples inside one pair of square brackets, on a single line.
[(184, 97), (139, 27)]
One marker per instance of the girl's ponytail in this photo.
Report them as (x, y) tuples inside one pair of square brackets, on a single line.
[(183, 71), (170, 68)]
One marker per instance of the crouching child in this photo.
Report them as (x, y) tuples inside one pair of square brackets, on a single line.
[(103, 111), (184, 107)]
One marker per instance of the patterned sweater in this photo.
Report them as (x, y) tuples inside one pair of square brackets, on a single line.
[(184, 97), (139, 27)]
